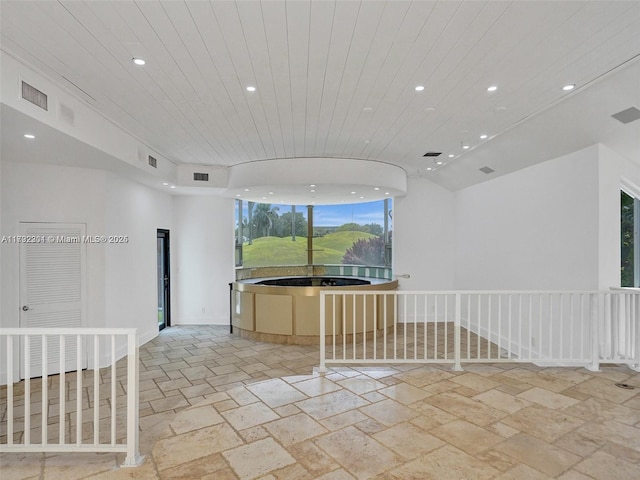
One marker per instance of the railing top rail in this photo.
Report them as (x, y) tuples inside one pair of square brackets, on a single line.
[(68, 331), (475, 292)]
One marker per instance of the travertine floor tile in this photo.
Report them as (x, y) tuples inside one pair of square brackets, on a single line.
[(358, 453), (544, 423), (548, 399), (317, 386), (407, 440), (331, 404), (444, 463), (295, 429), (467, 436), (475, 382), (275, 393), (404, 393), (389, 412), (196, 418), (540, 455), (601, 465), (360, 385), (469, 409), (258, 458), (315, 460), (179, 449), (249, 415), (502, 401), (522, 472)]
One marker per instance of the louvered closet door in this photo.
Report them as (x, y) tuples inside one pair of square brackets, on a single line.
[(52, 286)]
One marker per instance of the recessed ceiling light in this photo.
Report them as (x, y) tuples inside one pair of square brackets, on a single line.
[(466, 147), (238, 195), (367, 141), (492, 88), (451, 155), (165, 183), (483, 137), (313, 191), (419, 88), (29, 136), (173, 186), (386, 193), (376, 188), (251, 88), (367, 109), (429, 169), (353, 193), (430, 109), (439, 162), (138, 61), (264, 198), (246, 189), (361, 197), (569, 87), (270, 193), (501, 108)]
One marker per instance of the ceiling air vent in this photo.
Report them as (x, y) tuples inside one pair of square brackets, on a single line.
[(33, 95), (627, 116), (201, 177), (487, 170), (153, 162), (432, 154)]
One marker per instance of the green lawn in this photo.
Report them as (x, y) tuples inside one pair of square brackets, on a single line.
[(330, 249)]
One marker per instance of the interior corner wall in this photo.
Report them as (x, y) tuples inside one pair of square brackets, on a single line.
[(534, 229), (614, 173), (423, 241), (202, 259), (135, 212)]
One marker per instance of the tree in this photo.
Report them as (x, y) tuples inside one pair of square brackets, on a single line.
[(372, 228), (626, 241), (264, 217), (365, 252), (300, 224)]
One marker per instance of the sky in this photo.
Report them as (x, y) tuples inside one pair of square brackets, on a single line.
[(336, 215)]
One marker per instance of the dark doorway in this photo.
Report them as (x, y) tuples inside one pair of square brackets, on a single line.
[(164, 291)]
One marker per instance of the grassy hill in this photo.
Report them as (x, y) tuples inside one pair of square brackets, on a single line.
[(329, 249)]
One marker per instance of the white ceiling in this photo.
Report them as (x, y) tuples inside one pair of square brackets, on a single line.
[(336, 79)]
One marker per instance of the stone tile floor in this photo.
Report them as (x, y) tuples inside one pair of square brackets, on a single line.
[(215, 406)]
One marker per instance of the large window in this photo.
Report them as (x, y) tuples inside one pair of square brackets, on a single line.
[(348, 234), (630, 244)]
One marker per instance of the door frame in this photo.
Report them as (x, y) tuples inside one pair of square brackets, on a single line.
[(165, 234), (50, 232)]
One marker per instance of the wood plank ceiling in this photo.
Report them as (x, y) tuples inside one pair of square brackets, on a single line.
[(332, 78)]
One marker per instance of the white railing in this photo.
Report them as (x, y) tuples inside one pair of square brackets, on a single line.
[(455, 327), (70, 408)]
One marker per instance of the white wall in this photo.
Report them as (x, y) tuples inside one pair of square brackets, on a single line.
[(423, 236), (45, 193), (121, 278), (614, 170), (131, 292), (203, 259), (533, 229)]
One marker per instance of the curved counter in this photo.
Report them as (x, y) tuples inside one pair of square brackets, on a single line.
[(291, 314)]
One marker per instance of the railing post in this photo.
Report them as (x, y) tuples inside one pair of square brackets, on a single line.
[(133, 458), (323, 367), (597, 301), (457, 367)]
